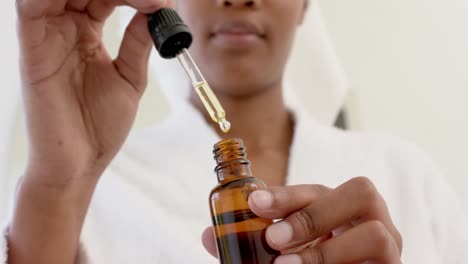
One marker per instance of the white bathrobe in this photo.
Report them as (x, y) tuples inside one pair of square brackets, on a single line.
[(151, 205)]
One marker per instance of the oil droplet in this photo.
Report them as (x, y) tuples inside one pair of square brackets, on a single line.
[(224, 125)]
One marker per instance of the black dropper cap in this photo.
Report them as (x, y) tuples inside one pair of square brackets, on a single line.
[(169, 33)]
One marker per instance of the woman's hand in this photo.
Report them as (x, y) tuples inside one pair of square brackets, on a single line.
[(80, 105), (349, 224)]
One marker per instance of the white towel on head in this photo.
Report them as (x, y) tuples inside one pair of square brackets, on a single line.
[(314, 73)]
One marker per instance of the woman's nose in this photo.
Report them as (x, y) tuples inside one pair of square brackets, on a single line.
[(239, 3)]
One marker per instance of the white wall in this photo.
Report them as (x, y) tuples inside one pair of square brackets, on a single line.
[(407, 62), (9, 90)]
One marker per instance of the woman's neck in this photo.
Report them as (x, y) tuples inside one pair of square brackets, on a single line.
[(261, 120)]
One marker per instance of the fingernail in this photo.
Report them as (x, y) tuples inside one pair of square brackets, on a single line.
[(289, 259), (263, 199), (280, 233)]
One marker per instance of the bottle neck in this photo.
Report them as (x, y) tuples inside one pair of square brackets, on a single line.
[(233, 172), (232, 162)]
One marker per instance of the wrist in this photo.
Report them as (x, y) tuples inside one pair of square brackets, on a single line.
[(60, 179)]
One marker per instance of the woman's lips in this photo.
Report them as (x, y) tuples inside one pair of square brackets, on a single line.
[(237, 36), (236, 40)]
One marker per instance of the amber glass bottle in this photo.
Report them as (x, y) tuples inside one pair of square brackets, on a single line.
[(240, 234)]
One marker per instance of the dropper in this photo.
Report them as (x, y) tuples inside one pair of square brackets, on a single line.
[(172, 39)]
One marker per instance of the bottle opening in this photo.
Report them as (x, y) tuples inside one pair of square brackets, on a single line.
[(229, 154)]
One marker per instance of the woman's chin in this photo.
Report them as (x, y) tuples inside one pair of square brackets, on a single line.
[(238, 90)]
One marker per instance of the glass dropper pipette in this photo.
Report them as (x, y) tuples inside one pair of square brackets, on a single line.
[(208, 98), (172, 38)]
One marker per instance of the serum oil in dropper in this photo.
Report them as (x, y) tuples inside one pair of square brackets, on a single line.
[(172, 39)]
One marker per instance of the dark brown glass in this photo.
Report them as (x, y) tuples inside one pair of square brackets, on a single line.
[(240, 234)]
